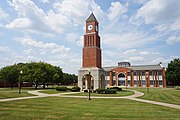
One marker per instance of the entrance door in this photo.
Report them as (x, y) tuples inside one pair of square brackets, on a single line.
[(121, 79)]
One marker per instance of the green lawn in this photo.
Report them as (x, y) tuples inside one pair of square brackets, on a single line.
[(168, 95), (51, 91), (13, 93), (82, 109), (118, 94)]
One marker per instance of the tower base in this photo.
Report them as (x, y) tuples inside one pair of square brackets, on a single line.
[(97, 78)]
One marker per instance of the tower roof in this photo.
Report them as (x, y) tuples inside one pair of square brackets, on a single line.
[(91, 18)]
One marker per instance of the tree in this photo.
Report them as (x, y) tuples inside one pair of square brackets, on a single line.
[(58, 75), (173, 72), (11, 74), (69, 79)]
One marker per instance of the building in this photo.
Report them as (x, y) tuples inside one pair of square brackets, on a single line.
[(93, 75)]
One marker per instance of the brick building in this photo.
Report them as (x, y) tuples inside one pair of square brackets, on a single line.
[(93, 75)]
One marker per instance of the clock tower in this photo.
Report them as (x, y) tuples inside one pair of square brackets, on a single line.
[(91, 49), (91, 74)]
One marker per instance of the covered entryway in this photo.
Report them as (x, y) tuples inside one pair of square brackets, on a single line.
[(121, 79), (87, 82)]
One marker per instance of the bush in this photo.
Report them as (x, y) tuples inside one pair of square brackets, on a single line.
[(94, 91), (105, 91), (75, 89), (85, 91), (110, 91), (117, 88), (61, 88), (100, 90)]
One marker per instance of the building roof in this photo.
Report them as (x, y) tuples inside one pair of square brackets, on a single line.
[(91, 18), (138, 67), (146, 67)]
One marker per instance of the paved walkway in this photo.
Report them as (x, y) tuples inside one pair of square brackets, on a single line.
[(131, 97)]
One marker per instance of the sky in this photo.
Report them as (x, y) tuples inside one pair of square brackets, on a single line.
[(142, 32)]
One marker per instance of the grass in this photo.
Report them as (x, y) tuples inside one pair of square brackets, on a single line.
[(57, 108), (168, 95), (51, 91), (13, 93), (118, 94)]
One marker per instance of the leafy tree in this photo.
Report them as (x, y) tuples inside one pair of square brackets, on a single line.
[(58, 75), (11, 74), (69, 79), (173, 72)]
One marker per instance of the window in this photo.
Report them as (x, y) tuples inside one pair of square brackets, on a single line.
[(159, 72), (135, 82), (107, 81), (134, 73), (129, 82), (151, 82), (150, 72), (143, 82), (114, 82), (129, 73), (107, 73), (160, 82), (143, 73), (114, 73)]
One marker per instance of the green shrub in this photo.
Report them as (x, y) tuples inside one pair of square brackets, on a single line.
[(75, 89), (61, 88), (100, 90), (105, 91), (94, 91), (110, 91), (85, 91), (117, 88)]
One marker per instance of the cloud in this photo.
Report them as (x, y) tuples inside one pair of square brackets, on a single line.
[(116, 11), (3, 15), (44, 1), (135, 59), (4, 49), (173, 39), (64, 16), (53, 47), (29, 52), (160, 11)]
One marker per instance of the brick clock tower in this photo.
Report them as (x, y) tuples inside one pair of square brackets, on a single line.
[(91, 58), (91, 50)]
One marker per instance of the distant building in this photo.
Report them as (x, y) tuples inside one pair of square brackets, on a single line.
[(93, 75)]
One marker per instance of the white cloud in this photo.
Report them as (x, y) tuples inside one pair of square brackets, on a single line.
[(65, 16), (131, 51), (4, 49), (116, 11), (3, 15), (53, 47), (29, 52), (135, 59), (44, 1), (173, 39), (19, 23), (160, 11)]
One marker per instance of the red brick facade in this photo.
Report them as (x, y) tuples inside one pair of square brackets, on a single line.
[(91, 49)]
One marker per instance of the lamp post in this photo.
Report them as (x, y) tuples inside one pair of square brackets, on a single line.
[(89, 83), (21, 72)]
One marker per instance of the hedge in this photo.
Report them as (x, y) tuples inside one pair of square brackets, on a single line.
[(61, 88), (75, 89), (105, 91)]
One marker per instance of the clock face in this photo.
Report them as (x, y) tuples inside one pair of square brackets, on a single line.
[(90, 27)]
